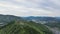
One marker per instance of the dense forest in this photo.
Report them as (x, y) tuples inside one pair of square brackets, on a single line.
[(24, 27)]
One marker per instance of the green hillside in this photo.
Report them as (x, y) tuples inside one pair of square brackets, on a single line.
[(20, 27)]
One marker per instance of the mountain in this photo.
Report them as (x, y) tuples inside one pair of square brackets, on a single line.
[(4, 19), (7, 18), (42, 20), (10, 24), (24, 27)]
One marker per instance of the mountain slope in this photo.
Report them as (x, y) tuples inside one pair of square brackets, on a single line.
[(19, 27), (4, 19), (8, 18)]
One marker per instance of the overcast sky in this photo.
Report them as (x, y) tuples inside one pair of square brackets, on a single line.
[(30, 7)]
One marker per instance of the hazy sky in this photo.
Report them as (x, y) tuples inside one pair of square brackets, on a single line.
[(30, 7)]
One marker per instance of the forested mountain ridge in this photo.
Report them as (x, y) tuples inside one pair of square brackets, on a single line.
[(4, 19), (19, 27), (8, 18)]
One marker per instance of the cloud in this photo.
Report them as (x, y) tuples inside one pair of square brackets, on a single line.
[(30, 7)]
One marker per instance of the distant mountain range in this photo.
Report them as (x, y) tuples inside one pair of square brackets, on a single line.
[(5, 18), (8, 18), (42, 19)]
